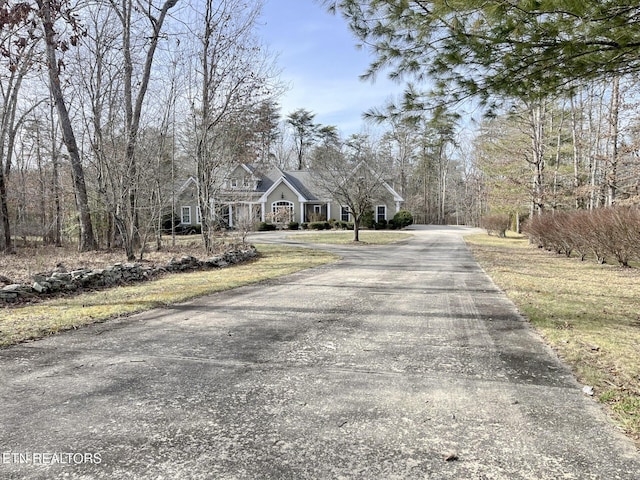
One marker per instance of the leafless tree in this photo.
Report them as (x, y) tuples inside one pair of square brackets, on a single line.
[(352, 175), (232, 78)]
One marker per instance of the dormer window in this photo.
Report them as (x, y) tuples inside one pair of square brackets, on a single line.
[(246, 182), (234, 183)]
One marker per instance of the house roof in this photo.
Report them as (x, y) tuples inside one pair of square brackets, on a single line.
[(302, 182)]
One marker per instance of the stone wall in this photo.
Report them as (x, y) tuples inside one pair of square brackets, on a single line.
[(57, 282)]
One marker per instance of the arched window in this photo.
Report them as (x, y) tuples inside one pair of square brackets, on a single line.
[(282, 211)]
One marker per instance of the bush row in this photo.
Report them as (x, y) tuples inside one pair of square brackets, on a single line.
[(401, 219), (607, 232)]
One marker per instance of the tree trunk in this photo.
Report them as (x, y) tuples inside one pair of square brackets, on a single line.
[(356, 229), (576, 155), (4, 215), (87, 241), (537, 118), (612, 172)]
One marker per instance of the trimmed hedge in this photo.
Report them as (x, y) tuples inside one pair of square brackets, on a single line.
[(320, 226), (402, 219), (607, 232), (266, 227)]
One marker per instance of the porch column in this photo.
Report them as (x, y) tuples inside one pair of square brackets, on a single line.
[(302, 206), (328, 211), (397, 207), (263, 212), (231, 215)]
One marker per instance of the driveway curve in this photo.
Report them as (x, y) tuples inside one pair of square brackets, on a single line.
[(398, 362)]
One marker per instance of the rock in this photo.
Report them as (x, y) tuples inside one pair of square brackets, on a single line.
[(61, 276), (587, 390), (61, 280), (39, 287), (13, 288), (80, 273), (451, 457)]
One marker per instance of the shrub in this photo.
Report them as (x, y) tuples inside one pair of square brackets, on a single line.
[(613, 232), (320, 225), (304, 225), (402, 219), (381, 225), (495, 224), (367, 220), (293, 226), (266, 227), (340, 225)]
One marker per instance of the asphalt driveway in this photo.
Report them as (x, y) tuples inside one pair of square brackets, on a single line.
[(398, 362)]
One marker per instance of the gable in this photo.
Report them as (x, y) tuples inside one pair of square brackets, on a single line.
[(283, 185)]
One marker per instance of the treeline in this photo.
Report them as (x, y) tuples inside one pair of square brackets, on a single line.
[(107, 107), (564, 152)]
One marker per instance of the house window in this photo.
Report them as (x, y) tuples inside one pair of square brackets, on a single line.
[(317, 209), (186, 215), (344, 213), (381, 213), (198, 216), (234, 183), (282, 211), (246, 182)]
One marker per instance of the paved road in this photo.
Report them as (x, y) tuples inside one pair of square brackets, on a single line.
[(381, 366)]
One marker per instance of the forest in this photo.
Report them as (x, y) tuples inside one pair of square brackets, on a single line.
[(107, 106)]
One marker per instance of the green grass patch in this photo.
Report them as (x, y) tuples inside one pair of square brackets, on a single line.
[(370, 237), (589, 313), (22, 323)]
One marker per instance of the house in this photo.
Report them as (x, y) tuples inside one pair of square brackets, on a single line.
[(186, 203), (278, 196)]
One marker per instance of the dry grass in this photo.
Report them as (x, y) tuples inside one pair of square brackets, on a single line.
[(589, 313), (22, 323), (368, 237)]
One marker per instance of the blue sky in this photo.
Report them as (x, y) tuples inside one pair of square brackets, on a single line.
[(321, 64)]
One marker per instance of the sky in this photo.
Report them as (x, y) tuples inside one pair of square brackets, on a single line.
[(321, 64)]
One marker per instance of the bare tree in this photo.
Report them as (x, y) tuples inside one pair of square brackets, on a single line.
[(126, 213), (232, 76), (352, 176), (18, 49), (49, 13)]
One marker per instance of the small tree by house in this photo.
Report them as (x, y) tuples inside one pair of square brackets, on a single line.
[(351, 175)]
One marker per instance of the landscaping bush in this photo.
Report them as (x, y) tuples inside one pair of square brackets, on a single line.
[(340, 225), (402, 219), (495, 224), (320, 225), (381, 225), (293, 226), (304, 225), (266, 227), (608, 232), (367, 220)]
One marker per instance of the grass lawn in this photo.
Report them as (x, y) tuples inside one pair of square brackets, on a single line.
[(369, 237), (589, 313), (22, 323)]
